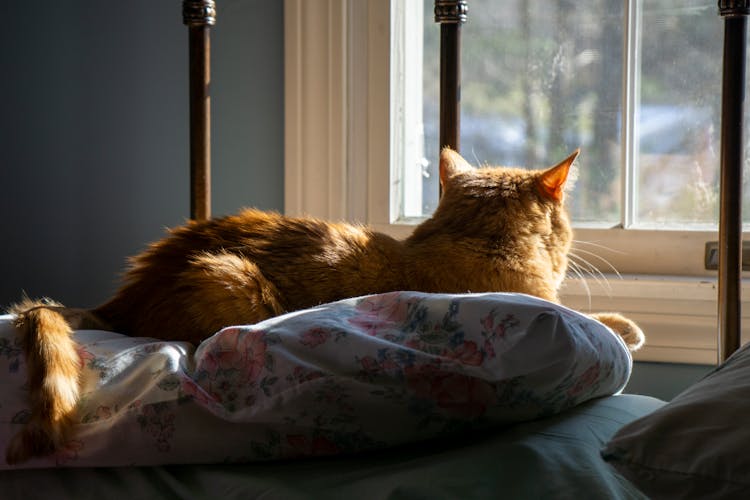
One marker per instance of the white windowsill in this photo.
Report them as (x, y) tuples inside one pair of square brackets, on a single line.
[(678, 314)]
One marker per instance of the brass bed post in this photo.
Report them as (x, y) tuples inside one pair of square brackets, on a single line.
[(450, 14), (199, 16), (735, 14)]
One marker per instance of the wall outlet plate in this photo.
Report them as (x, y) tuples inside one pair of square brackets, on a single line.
[(712, 255)]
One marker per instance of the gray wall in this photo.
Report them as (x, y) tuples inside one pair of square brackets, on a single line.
[(94, 133), (664, 380)]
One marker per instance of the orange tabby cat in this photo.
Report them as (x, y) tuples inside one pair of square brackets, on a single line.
[(495, 229)]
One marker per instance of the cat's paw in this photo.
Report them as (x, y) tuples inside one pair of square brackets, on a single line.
[(625, 328)]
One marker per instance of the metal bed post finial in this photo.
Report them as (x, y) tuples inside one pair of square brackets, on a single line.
[(451, 11), (450, 14), (199, 16), (733, 8), (735, 14), (199, 12)]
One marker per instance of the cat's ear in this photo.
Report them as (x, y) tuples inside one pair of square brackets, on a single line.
[(552, 180), (451, 163)]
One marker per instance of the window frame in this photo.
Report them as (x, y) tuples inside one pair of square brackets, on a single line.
[(339, 126)]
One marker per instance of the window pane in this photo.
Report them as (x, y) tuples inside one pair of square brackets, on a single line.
[(540, 79), (680, 114)]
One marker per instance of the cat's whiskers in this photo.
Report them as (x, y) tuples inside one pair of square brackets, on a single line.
[(591, 270), (476, 158), (576, 269), (598, 245), (608, 263)]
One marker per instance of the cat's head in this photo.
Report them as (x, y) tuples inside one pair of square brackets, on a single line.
[(515, 213)]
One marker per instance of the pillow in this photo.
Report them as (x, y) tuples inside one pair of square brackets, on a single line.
[(697, 445), (355, 375)]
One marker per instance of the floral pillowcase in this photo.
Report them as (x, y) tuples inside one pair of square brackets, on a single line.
[(363, 373)]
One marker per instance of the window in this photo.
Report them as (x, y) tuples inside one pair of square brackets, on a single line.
[(635, 84), (645, 200)]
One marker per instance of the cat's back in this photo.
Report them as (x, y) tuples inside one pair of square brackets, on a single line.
[(302, 261), (250, 232), (285, 248), (314, 261), (258, 233)]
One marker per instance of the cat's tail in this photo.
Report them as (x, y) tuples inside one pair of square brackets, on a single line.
[(54, 372)]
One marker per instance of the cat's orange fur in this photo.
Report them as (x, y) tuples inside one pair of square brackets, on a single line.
[(495, 229)]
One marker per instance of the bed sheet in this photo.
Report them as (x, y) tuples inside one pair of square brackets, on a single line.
[(553, 457)]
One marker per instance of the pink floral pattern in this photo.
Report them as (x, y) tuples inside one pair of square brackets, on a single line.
[(158, 422), (359, 374), (69, 453), (458, 394), (84, 355), (314, 337), (466, 353)]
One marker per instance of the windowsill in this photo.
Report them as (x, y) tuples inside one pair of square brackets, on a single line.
[(678, 314)]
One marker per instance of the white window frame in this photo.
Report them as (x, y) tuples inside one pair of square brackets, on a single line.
[(340, 163)]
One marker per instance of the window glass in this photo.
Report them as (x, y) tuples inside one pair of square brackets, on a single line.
[(680, 113), (541, 78)]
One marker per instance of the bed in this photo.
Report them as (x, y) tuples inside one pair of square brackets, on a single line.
[(399, 395), (363, 398)]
